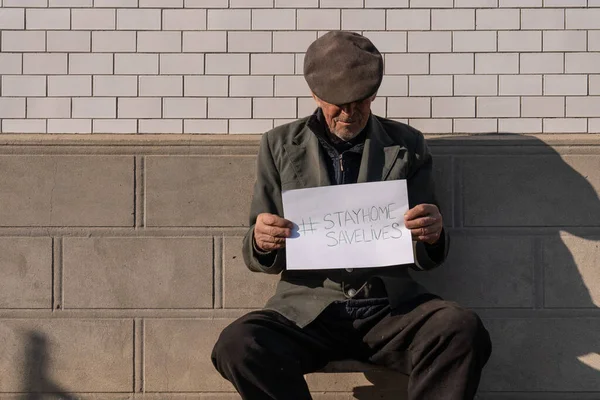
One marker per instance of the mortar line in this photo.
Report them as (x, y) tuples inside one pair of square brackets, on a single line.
[(138, 355), (140, 192), (218, 272), (57, 273), (538, 274)]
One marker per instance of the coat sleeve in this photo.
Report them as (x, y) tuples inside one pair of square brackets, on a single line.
[(421, 190), (266, 199)]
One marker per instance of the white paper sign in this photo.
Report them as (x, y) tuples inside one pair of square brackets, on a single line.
[(348, 226)]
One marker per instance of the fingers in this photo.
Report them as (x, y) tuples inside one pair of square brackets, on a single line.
[(425, 223), (270, 231)]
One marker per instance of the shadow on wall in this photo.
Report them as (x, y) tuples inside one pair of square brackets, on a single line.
[(525, 251), (36, 384)]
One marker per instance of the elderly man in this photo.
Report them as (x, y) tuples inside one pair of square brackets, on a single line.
[(378, 315)]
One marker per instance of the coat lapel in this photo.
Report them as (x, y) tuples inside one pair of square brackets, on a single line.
[(379, 155), (305, 157)]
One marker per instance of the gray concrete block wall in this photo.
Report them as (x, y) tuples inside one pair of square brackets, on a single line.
[(121, 263)]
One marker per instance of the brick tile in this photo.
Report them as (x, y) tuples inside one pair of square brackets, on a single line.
[(514, 252), (536, 63), (23, 41), (341, 4), (44, 63), (520, 41), (452, 63), (229, 108), (306, 106), (23, 85), (274, 108), (208, 41), (430, 85), (23, 125), (489, 63), (543, 19), (432, 126), (71, 343), (291, 86), (136, 64), (393, 85), (386, 3), (70, 125), (110, 85), (184, 365), (517, 85), (184, 107), (450, 20), (229, 19), (298, 42), (249, 42), (184, 20), (227, 64), (497, 19), (520, 3), (453, 107), (90, 64), (408, 20), (205, 126), (185, 191), (160, 273), (47, 107), (475, 125), (249, 86), (11, 63), (251, 3), (583, 106), (138, 19), (583, 18), (388, 42), (125, 126), (12, 107), (142, 107), (363, 20), (12, 18), (94, 107), (161, 3), (40, 18), (26, 273), (114, 41), (406, 64), (250, 126), (498, 107), (582, 63), (296, 3), (565, 125), (431, 3), (210, 86), (475, 85), (160, 86), (68, 41), (564, 3), (476, 3), (274, 19), (272, 64), (116, 3), (565, 40), (319, 19), (520, 125), (159, 42), (92, 19), (565, 85), (160, 126), (593, 125), (206, 3), (409, 107), (594, 40), (180, 64), (426, 42), (594, 85), (68, 190), (479, 41), (70, 86)]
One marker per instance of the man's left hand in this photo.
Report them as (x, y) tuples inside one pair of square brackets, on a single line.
[(425, 223)]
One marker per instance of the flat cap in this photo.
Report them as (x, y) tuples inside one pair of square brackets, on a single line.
[(342, 67)]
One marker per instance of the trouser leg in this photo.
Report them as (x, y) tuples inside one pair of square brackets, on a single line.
[(442, 346), (265, 356)]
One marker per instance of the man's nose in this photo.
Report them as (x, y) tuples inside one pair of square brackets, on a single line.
[(348, 108)]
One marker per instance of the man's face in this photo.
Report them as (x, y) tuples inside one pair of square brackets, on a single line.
[(346, 121)]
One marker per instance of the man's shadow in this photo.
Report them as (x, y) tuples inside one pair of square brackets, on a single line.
[(36, 384), (515, 215)]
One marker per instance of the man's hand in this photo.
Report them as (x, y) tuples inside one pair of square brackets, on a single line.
[(424, 222), (270, 231)]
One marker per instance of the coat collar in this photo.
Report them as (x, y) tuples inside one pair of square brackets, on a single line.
[(305, 155)]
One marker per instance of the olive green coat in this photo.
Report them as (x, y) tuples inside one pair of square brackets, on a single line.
[(290, 157)]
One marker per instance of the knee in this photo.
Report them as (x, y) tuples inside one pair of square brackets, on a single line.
[(231, 347), (465, 330)]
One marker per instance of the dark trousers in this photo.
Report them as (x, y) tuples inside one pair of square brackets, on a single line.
[(441, 346)]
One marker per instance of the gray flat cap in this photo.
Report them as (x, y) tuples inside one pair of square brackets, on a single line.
[(342, 67)]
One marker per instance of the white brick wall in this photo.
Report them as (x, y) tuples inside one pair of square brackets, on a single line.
[(235, 66)]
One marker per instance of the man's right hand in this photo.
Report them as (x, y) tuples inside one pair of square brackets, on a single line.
[(270, 231)]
